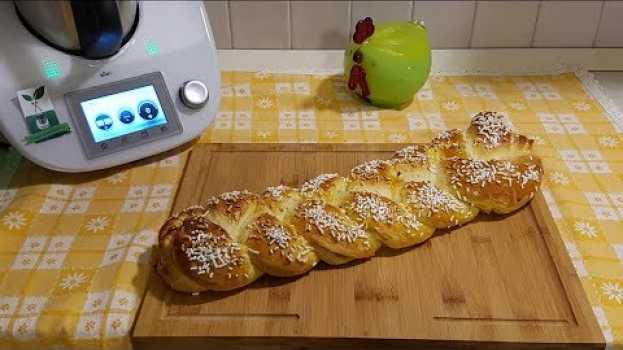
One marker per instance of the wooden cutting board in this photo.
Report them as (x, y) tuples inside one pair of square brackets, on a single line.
[(501, 281)]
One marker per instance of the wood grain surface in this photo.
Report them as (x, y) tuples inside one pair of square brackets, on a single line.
[(498, 282)]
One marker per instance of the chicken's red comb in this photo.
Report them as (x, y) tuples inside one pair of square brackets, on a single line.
[(363, 30)]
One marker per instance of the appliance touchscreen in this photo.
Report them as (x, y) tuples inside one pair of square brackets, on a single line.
[(123, 113)]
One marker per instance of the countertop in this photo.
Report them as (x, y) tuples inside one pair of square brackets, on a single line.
[(605, 64)]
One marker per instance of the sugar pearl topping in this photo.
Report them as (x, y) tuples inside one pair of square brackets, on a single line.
[(327, 223), (278, 236), (276, 192), (208, 252), (369, 170), (481, 172), (411, 154), (427, 196), (369, 205), (280, 240), (491, 128), (228, 197), (447, 138), (313, 185)]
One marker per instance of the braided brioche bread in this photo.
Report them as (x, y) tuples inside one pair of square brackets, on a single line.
[(398, 203)]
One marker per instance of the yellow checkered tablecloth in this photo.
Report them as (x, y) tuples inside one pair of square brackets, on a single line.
[(74, 248)]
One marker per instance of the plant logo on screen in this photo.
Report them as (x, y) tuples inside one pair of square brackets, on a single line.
[(147, 110), (103, 121)]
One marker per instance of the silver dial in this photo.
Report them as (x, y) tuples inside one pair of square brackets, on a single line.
[(194, 94)]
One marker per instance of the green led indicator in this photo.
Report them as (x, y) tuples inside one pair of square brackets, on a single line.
[(152, 48), (51, 70)]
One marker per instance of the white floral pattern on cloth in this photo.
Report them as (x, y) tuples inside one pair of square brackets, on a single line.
[(585, 229), (73, 280), (97, 224), (613, 291), (120, 210), (559, 178), (72, 241), (14, 220)]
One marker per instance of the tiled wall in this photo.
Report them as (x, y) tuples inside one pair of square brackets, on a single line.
[(297, 24)]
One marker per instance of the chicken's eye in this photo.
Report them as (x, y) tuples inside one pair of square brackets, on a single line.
[(358, 57)]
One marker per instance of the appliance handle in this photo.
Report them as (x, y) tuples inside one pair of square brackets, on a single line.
[(98, 24)]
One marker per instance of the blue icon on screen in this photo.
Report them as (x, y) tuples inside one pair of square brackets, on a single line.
[(147, 110), (126, 116), (103, 122)]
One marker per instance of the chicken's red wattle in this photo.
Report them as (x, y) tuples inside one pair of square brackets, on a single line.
[(358, 78)]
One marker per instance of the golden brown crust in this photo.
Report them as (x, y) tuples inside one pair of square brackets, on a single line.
[(416, 163), (199, 255), (414, 155), (436, 206), (490, 136), (398, 203), (277, 249), (450, 143), (501, 186), (232, 205), (329, 187), (281, 201), (378, 176), (234, 211), (329, 227), (394, 225)]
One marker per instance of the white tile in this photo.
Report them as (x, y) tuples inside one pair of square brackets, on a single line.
[(77, 207), (449, 23), (320, 24), (96, 301), (88, 326), (25, 328), (133, 205), (123, 300), (25, 261), (84, 193), (112, 257), (504, 23), (52, 261), (8, 305), (380, 11), (591, 154), (567, 23), (259, 24), (34, 243), (32, 306), (138, 254), (157, 204), (610, 33), (119, 241), (146, 238), (138, 191), (118, 325), (52, 206), (4, 328), (162, 190), (218, 13), (616, 198), (59, 191)]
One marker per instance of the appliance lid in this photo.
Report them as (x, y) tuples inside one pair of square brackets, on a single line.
[(92, 29)]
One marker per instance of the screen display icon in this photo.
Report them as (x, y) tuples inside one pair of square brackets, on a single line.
[(103, 122), (126, 116), (115, 115), (147, 110)]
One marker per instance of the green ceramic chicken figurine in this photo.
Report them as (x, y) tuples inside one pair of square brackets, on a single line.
[(388, 63)]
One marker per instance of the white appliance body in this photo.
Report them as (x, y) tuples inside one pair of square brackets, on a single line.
[(172, 44)]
